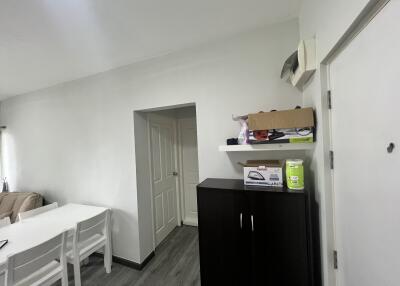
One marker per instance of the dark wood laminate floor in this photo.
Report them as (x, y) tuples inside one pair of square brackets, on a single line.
[(176, 263)]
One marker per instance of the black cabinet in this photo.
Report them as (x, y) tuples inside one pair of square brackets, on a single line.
[(252, 235), (221, 235)]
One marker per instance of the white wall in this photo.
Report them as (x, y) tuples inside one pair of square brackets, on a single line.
[(326, 21), (75, 142)]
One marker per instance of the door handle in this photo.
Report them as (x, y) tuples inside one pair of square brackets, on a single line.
[(175, 174), (241, 220), (390, 147), (252, 223)]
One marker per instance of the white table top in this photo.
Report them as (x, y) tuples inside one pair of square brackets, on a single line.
[(40, 228)]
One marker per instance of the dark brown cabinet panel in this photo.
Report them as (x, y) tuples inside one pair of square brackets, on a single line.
[(252, 236), (221, 234), (279, 239)]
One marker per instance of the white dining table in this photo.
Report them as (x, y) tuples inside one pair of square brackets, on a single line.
[(42, 227)]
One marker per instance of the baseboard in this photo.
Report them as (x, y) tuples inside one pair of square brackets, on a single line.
[(129, 263), (190, 221)]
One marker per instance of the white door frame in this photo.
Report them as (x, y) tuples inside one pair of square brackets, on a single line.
[(181, 190), (363, 19), (178, 187), (180, 166)]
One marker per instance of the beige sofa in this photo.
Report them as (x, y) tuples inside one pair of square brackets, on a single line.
[(15, 202)]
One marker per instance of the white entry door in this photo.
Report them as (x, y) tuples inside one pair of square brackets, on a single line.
[(365, 120), (162, 143), (190, 169)]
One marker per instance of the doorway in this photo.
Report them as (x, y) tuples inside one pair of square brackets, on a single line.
[(163, 174), (172, 167)]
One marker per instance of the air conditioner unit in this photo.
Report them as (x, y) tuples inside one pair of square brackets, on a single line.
[(301, 65)]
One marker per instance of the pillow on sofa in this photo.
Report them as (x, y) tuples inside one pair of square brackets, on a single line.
[(17, 202), (6, 214)]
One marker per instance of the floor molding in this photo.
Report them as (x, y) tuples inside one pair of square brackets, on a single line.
[(129, 263), (190, 222)]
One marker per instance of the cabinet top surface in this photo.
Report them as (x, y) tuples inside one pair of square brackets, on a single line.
[(238, 185)]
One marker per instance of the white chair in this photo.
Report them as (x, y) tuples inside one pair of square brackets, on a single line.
[(31, 213), (5, 221), (38, 265), (90, 236)]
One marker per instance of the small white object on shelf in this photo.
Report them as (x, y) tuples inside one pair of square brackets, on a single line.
[(266, 147)]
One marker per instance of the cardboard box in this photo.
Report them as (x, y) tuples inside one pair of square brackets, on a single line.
[(289, 137), (263, 173), (295, 118)]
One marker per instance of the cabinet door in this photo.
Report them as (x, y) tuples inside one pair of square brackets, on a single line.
[(222, 224), (279, 240)]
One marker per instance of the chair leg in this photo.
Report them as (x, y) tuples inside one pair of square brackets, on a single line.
[(64, 278), (77, 272), (107, 257), (107, 246)]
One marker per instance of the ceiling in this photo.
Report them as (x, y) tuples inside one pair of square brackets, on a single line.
[(46, 42)]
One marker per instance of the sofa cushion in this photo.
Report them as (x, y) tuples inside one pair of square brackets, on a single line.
[(31, 202), (2, 195), (17, 202), (6, 214), (7, 204)]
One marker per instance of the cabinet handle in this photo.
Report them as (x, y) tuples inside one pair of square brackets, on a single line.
[(252, 223), (241, 220)]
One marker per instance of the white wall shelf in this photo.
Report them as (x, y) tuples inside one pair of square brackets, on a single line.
[(266, 147)]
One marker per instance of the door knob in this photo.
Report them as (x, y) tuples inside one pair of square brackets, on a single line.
[(175, 174), (390, 147)]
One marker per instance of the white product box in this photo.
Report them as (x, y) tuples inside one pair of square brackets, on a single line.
[(263, 173)]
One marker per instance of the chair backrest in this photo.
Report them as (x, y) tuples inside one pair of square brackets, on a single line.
[(90, 227), (31, 213), (5, 221), (27, 262)]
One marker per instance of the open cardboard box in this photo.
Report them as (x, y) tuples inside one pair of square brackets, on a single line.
[(285, 120)]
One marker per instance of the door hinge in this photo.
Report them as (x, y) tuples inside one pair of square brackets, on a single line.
[(335, 262), (331, 159), (329, 95)]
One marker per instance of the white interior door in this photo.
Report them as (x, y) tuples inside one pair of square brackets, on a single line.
[(162, 149), (189, 169), (365, 119)]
